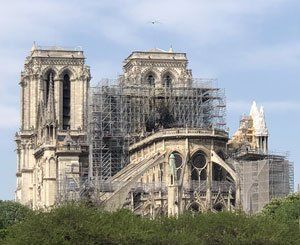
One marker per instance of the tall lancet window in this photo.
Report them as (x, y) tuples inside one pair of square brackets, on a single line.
[(66, 101), (150, 79), (167, 81)]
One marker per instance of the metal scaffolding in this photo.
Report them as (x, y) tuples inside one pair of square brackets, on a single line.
[(69, 184), (291, 177), (120, 115), (264, 177)]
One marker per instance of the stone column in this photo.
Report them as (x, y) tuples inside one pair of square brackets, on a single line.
[(208, 183), (238, 203), (172, 188)]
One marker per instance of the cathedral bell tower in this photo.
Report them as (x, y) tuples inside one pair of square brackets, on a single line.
[(51, 144)]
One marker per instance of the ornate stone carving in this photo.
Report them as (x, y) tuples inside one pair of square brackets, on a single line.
[(58, 61)]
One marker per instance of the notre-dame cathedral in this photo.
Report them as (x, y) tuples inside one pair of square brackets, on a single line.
[(153, 141)]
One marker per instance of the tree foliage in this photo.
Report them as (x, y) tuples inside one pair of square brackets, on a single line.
[(284, 209), (82, 224), (11, 213)]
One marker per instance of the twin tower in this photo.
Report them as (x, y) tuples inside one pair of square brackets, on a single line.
[(51, 142), (52, 149)]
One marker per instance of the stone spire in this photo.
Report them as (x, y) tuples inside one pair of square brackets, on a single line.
[(263, 130), (40, 114), (254, 110), (34, 46), (258, 117), (50, 111)]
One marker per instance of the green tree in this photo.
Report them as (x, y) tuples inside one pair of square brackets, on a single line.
[(284, 209), (68, 224), (82, 224), (11, 213)]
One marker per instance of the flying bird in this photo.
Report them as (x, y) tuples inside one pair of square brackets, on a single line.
[(154, 22)]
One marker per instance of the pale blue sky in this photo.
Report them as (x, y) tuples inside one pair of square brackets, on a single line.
[(251, 46)]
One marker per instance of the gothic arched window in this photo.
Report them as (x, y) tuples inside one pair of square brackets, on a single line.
[(178, 164), (198, 169), (167, 80), (66, 101), (219, 173), (150, 79)]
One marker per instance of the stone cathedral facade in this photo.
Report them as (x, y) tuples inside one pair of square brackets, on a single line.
[(154, 143), (54, 87)]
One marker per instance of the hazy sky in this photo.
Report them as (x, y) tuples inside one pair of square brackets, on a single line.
[(251, 46)]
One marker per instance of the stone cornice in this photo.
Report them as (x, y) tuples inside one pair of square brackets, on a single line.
[(58, 61), (49, 178), (156, 63), (27, 170), (175, 133)]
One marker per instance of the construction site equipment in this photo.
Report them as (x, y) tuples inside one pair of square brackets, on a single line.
[(121, 115)]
